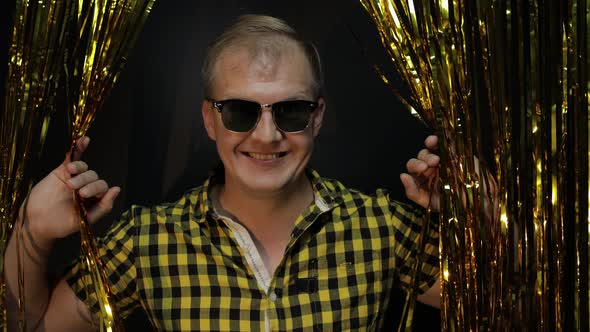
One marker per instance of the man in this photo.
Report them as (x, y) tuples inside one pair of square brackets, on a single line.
[(265, 243)]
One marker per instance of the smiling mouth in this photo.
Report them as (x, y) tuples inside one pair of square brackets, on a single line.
[(265, 156)]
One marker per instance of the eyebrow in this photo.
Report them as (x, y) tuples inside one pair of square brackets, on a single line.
[(303, 94), (300, 95)]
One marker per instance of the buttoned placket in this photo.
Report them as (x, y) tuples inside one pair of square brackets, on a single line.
[(252, 255)]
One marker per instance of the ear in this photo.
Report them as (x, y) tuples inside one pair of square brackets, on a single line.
[(318, 117), (208, 118)]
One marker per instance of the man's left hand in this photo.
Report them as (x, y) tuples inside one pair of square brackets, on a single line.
[(422, 172)]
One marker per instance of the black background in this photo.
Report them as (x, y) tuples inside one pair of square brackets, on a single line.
[(149, 137)]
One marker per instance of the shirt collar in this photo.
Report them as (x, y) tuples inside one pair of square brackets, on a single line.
[(327, 196), (204, 202)]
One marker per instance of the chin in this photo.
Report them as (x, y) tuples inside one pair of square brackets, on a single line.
[(268, 183), (265, 184)]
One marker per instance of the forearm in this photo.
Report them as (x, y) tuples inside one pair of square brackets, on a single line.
[(34, 255), (49, 216), (432, 296)]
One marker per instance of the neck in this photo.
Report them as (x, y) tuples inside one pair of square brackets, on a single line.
[(275, 209), (269, 217)]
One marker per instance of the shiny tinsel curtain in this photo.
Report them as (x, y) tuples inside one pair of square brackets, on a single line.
[(514, 228), (73, 51)]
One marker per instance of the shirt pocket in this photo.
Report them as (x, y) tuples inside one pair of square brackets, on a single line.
[(349, 291)]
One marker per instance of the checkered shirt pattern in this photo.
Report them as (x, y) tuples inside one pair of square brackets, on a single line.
[(183, 266)]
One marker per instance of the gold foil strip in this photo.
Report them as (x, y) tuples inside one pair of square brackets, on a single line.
[(83, 43), (35, 57), (107, 31), (514, 76)]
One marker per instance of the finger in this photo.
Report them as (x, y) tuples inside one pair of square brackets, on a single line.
[(429, 158), (433, 160), (416, 166), (422, 154), (429, 173), (104, 206), (431, 142), (94, 189), (82, 179), (412, 189), (409, 184), (76, 167), (81, 146)]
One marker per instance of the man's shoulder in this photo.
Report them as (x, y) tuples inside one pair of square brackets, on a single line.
[(350, 197), (186, 206), (345, 196), (336, 188)]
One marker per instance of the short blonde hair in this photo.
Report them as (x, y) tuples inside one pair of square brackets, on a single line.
[(262, 36)]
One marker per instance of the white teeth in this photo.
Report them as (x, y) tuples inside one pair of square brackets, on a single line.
[(263, 156)]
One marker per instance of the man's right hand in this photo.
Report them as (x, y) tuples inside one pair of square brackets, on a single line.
[(51, 215), (50, 207)]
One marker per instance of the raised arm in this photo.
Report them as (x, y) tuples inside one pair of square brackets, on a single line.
[(422, 171), (50, 216), (418, 182)]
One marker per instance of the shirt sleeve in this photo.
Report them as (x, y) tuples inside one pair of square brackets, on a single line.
[(407, 222), (116, 250)]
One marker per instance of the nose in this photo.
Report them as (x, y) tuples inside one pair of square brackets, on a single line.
[(266, 129)]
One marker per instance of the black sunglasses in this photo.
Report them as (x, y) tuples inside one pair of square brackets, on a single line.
[(241, 116)]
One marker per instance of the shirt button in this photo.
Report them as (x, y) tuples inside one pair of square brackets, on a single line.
[(273, 296)]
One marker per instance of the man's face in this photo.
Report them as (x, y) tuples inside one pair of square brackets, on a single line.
[(264, 161)]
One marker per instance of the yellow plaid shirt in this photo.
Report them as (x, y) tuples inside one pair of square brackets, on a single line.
[(185, 263)]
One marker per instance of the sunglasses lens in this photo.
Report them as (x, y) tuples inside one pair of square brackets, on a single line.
[(292, 115), (239, 115)]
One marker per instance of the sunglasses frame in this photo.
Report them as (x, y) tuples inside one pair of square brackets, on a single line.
[(218, 105)]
